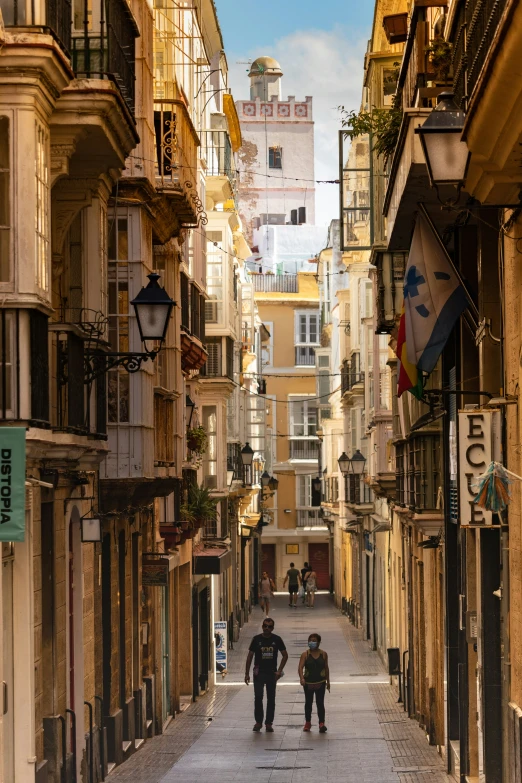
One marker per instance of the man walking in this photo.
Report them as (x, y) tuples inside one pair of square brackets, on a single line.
[(293, 577), (264, 649)]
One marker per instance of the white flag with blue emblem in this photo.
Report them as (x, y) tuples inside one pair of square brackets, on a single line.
[(434, 298)]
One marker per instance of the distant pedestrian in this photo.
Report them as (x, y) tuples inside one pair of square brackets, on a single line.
[(264, 649), (266, 592), (293, 577), (311, 588), (304, 572), (314, 676)]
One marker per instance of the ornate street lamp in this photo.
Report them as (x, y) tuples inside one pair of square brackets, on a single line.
[(265, 479), (358, 461), (344, 462), (247, 455), (273, 484), (152, 307), (189, 406), (447, 155)]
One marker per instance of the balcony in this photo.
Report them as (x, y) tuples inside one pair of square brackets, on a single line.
[(107, 49), (304, 450), (216, 151), (357, 492), (305, 356), (309, 517), (220, 362), (193, 351), (275, 284), (351, 376), (58, 18), (177, 159), (164, 414), (418, 470)]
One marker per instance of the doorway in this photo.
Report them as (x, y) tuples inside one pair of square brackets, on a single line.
[(165, 655), (319, 559), (106, 623), (268, 560), (6, 700), (75, 609)]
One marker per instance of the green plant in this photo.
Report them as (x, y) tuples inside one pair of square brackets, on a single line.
[(197, 440), (441, 54), (383, 125), (200, 508)]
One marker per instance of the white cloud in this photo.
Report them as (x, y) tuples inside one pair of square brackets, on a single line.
[(328, 65)]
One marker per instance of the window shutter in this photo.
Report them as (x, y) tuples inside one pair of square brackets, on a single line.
[(213, 365)]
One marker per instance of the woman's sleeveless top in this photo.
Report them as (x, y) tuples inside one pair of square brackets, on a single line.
[(315, 669), (266, 588), (310, 583)]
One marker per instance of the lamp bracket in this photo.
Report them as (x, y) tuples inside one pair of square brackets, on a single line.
[(484, 330), (98, 363)]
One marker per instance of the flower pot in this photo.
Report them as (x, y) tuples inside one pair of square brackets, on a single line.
[(396, 28)]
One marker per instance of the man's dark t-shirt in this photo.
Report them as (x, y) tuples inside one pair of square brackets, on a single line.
[(266, 649), (304, 572), (293, 577)]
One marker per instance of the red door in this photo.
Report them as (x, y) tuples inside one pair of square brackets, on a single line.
[(319, 559), (268, 560)]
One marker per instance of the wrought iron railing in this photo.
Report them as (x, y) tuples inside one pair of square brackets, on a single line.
[(58, 17), (105, 49), (304, 449), (177, 157), (309, 517), (351, 374), (234, 461), (268, 284), (475, 31), (305, 355)]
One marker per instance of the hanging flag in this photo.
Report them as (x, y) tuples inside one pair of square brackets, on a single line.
[(434, 298), (409, 378)]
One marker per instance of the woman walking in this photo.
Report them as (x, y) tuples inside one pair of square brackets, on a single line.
[(314, 676), (311, 587), (266, 591)]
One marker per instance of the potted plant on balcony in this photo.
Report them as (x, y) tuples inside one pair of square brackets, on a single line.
[(199, 509), (197, 439), (440, 53), (383, 124)]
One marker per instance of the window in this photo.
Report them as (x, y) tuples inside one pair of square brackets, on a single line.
[(304, 491), (118, 385), (5, 202), (303, 417), (267, 346), (306, 335), (214, 303), (210, 456), (275, 157), (42, 209), (6, 365)]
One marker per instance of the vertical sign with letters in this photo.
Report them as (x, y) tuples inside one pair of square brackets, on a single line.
[(12, 483), (479, 444)]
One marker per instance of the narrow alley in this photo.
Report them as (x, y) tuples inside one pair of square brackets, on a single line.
[(370, 737)]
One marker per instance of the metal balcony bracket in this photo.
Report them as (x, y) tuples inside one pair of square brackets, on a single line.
[(99, 363), (484, 330)]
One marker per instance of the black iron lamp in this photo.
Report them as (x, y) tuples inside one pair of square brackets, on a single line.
[(247, 455), (153, 307), (246, 531), (189, 406), (447, 155), (358, 461), (265, 479), (273, 484), (344, 462)]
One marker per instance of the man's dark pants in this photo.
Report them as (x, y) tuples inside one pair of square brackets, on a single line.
[(260, 681)]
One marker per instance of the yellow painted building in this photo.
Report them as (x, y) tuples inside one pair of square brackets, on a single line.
[(289, 308)]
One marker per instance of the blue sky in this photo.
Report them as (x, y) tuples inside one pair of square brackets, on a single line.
[(320, 46)]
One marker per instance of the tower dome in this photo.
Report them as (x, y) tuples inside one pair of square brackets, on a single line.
[(265, 79), (266, 66)]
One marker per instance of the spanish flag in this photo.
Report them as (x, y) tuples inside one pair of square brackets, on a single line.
[(409, 379)]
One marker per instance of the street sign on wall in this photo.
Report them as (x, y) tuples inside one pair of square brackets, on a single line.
[(155, 572), (479, 444), (12, 483)]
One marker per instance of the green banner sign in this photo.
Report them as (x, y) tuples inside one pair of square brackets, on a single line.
[(12, 483)]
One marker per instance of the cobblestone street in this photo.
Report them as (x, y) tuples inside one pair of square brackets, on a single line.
[(369, 735)]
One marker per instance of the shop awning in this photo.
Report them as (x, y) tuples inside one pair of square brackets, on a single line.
[(212, 560)]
